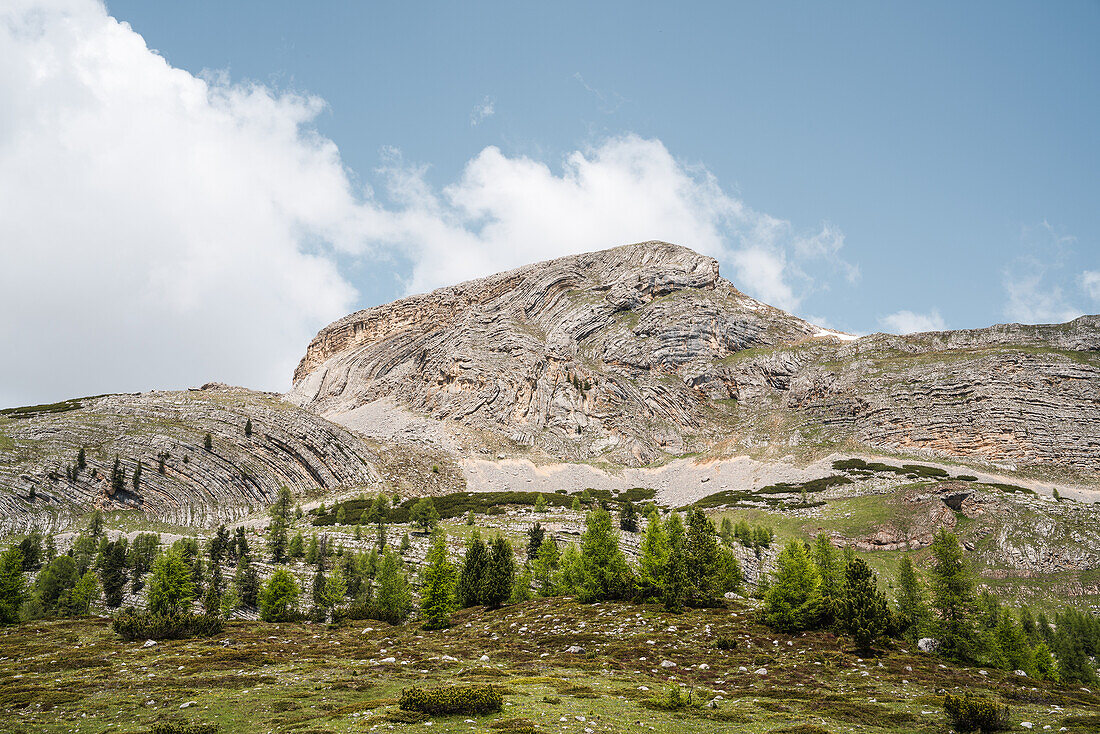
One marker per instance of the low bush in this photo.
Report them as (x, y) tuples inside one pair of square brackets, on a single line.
[(969, 714), (726, 643), (452, 700), (183, 727), (131, 624)]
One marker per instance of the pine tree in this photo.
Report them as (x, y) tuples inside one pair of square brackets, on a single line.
[(81, 461), (12, 586), (312, 550), (865, 615), (653, 563), (279, 598), (535, 535), (675, 582), (437, 583), (142, 551), (628, 518), (500, 573), (793, 601), (912, 606), (248, 428), (1012, 651), (473, 572), (136, 480), (319, 580), (701, 559), (208, 442), (113, 573), (540, 503), (394, 599), (170, 587), (952, 596), (470, 518), (31, 548), (424, 515)]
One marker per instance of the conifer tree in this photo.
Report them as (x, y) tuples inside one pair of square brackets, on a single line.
[(12, 586), (424, 515), (295, 549), (341, 515), (113, 573), (31, 548), (793, 601), (394, 599), (170, 587), (1043, 664), (570, 571), (81, 460), (912, 606), (473, 572), (246, 580), (726, 533), (136, 480), (544, 568), (653, 563), (84, 593), (208, 442), (279, 597), (865, 615), (437, 583), (406, 544), (628, 517), (832, 578), (952, 596), (701, 559), (500, 573), (1012, 651), (540, 503), (317, 590), (535, 535), (118, 477), (248, 428), (280, 520), (674, 587), (312, 549), (576, 506), (606, 572)]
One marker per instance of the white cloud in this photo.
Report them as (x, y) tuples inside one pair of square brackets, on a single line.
[(1035, 282), (486, 108), (156, 229), (910, 322), (507, 211), (161, 230), (1090, 283)]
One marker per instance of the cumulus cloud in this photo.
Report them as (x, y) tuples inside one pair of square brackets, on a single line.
[(506, 211), (485, 108), (157, 229), (910, 322)]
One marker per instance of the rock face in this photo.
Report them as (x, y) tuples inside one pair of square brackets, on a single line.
[(615, 353), (642, 352), (287, 447)]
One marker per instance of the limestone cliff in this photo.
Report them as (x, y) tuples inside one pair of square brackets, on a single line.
[(643, 351)]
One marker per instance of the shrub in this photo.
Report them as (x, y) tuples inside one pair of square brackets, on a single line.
[(134, 625), (726, 643), (975, 714), (183, 727), (451, 700)]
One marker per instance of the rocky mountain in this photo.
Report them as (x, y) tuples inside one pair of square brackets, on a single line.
[(641, 353)]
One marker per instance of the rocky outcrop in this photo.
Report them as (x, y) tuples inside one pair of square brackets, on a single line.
[(181, 481), (637, 353), (612, 353)]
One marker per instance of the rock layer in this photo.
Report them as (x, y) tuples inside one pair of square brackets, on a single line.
[(637, 353)]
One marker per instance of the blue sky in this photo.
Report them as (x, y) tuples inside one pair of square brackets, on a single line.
[(225, 178), (938, 137)]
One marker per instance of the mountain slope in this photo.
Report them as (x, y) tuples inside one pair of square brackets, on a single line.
[(643, 352)]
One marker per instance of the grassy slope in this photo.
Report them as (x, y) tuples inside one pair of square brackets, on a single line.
[(311, 678)]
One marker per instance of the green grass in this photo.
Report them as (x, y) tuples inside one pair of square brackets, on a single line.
[(77, 676)]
